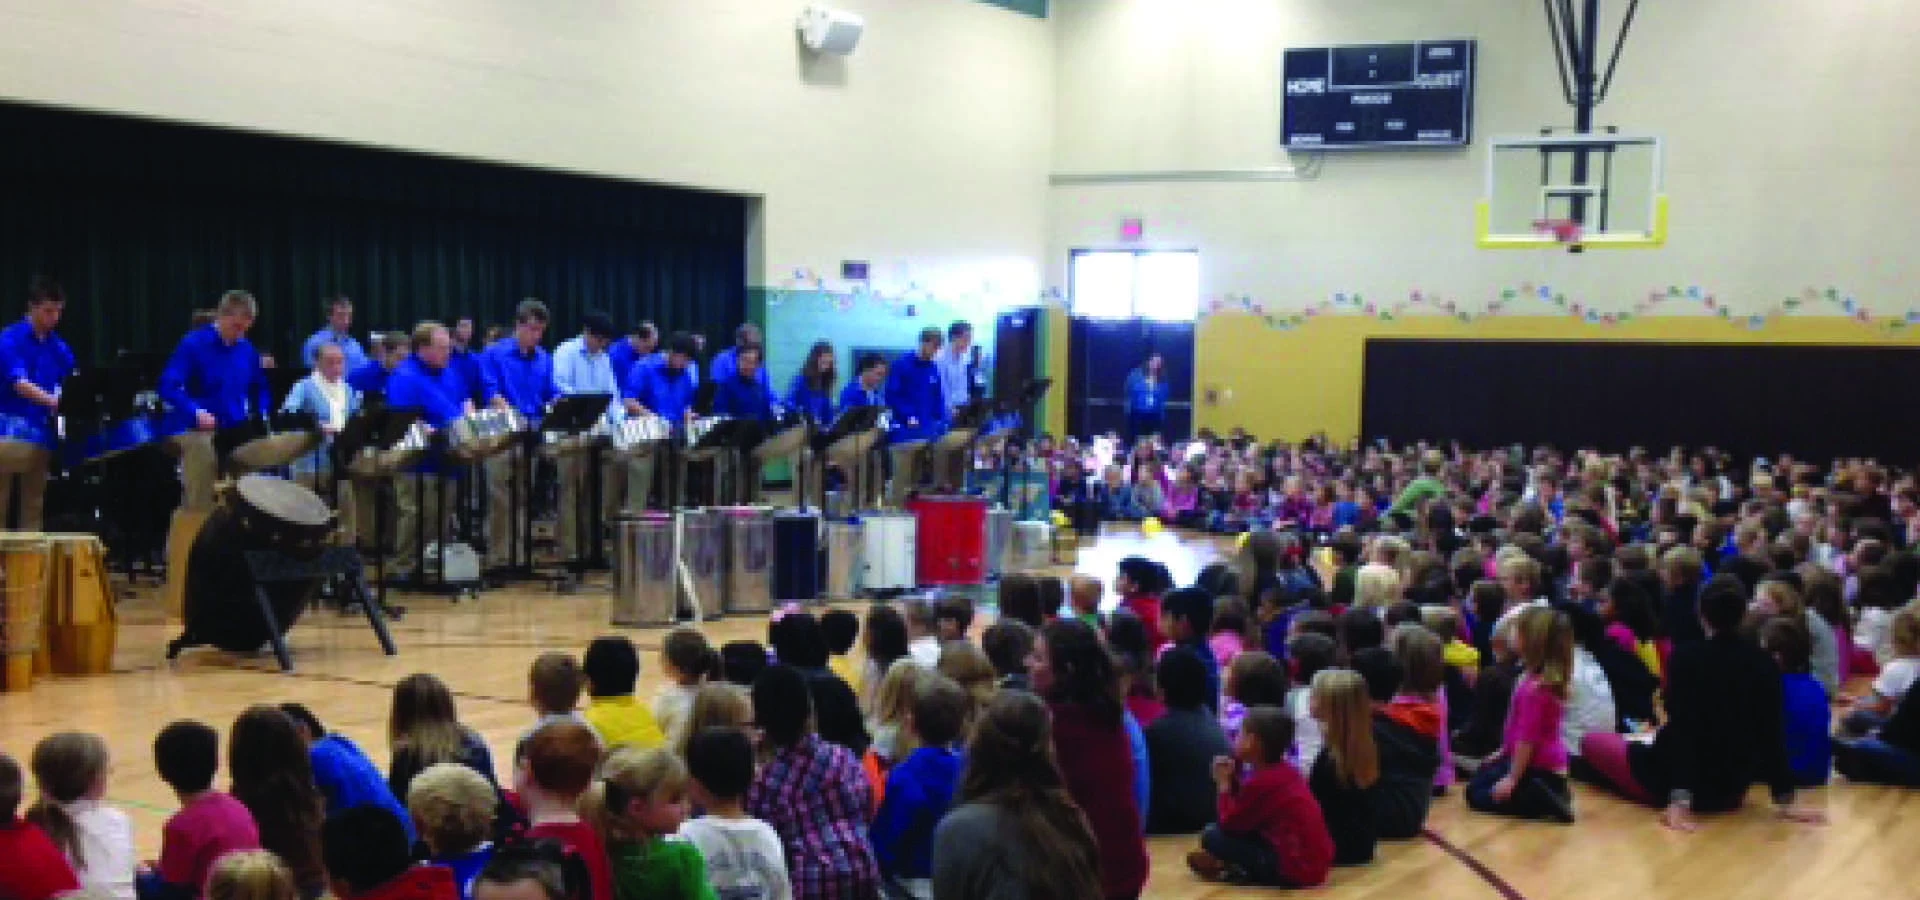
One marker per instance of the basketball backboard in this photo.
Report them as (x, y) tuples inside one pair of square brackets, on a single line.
[(1600, 191)]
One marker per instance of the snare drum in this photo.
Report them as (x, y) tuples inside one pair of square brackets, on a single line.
[(26, 563)]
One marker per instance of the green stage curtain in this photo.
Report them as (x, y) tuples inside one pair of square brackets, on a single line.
[(144, 222)]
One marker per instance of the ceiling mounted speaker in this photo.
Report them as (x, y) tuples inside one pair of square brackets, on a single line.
[(833, 31)]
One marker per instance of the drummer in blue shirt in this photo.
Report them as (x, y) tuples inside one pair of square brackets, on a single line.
[(665, 389), (811, 392), (466, 360), (214, 380), (336, 334), (425, 382), (868, 388), (518, 374), (918, 399), (745, 396), (36, 360), (390, 350), (638, 345), (580, 366), (727, 361)]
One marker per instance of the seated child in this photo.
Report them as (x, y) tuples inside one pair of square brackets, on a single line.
[(1808, 718), (842, 630), (554, 683), (554, 771), (1897, 674), (688, 661), (813, 794), (1083, 595), (1492, 692), (35, 869), (743, 854), (1421, 692), (1127, 640), (368, 858), (1271, 831), (1186, 618), (453, 807), (251, 875), (953, 619), (743, 661), (1181, 747), (1527, 777), (920, 789), (923, 632), (525, 872), (1310, 654), (1254, 679), (342, 771), (1231, 629), (1008, 643), (71, 769), (1890, 755), (612, 666), (1348, 766), (210, 824), (637, 806), (1407, 739)]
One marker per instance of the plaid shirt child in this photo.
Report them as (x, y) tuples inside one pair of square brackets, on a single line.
[(815, 795)]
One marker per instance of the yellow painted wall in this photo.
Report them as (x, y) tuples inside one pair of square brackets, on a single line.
[(1292, 383), (1054, 365)]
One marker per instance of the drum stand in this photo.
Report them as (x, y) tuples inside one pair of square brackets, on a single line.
[(340, 564)]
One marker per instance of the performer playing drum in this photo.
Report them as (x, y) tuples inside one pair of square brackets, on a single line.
[(581, 366), (214, 380), (425, 382), (518, 372), (35, 360), (918, 400), (664, 388), (868, 388), (743, 396)]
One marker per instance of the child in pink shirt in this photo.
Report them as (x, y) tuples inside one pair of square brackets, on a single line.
[(1527, 778), (210, 823)]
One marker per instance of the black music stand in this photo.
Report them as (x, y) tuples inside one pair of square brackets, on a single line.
[(573, 415), (971, 416), (1021, 404), (852, 421), (376, 426)]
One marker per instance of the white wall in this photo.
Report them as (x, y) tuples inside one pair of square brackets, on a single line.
[(1793, 149), (925, 152)]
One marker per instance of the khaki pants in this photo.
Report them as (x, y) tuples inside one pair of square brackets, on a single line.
[(575, 487), (639, 478), (422, 517), (199, 468), (360, 503), (29, 462), (909, 468), (507, 513)]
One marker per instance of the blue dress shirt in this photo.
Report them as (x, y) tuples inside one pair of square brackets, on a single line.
[(369, 379), (915, 392), (577, 371), (525, 379), (207, 373), (348, 344), (662, 391), (42, 361), (856, 394), (743, 398), (725, 366), (802, 396)]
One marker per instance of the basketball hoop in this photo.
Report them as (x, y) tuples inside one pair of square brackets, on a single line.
[(1563, 231)]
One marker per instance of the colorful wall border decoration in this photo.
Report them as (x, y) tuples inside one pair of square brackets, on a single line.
[(1427, 303)]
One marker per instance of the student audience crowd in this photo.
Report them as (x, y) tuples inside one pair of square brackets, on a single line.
[(1393, 626)]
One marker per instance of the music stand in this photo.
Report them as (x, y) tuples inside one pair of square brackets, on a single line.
[(376, 426), (573, 415), (860, 424)]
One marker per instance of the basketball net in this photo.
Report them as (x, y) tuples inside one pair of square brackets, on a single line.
[(1565, 231)]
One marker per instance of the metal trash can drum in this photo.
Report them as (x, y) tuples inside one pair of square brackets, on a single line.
[(645, 579), (1032, 546), (845, 543), (999, 541), (703, 553), (749, 573)]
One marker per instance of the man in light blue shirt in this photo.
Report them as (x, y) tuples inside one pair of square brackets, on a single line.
[(581, 366), (339, 320), (955, 362)]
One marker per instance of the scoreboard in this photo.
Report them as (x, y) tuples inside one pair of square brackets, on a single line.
[(1378, 95)]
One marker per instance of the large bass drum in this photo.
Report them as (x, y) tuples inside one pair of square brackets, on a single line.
[(259, 513)]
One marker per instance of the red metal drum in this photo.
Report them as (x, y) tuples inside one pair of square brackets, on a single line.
[(951, 547)]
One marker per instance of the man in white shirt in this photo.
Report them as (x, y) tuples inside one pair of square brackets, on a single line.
[(581, 366)]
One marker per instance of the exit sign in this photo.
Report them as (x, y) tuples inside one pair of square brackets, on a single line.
[(1133, 229)]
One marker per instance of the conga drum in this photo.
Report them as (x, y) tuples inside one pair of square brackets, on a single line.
[(951, 545), (259, 513), (25, 566), (82, 625)]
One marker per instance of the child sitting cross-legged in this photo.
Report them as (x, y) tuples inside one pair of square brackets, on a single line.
[(1808, 718), (1527, 777), (637, 805), (689, 661), (35, 869), (1271, 831), (920, 788), (1181, 747), (812, 793), (612, 666), (743, 854), (71, 768), (210, 823)]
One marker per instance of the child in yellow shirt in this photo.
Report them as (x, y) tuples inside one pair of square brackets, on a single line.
[(612, 666), (842, 631)]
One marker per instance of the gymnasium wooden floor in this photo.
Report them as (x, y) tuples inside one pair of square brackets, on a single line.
[(483, 649)]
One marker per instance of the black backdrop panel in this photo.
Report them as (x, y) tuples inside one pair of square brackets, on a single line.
[(1816, 401), (1102, 352), (144, 222)]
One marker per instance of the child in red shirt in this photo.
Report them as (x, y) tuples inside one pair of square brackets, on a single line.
[(35, 869), (210, 823), (1140, 583), (1270, 830), (555, 769)]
